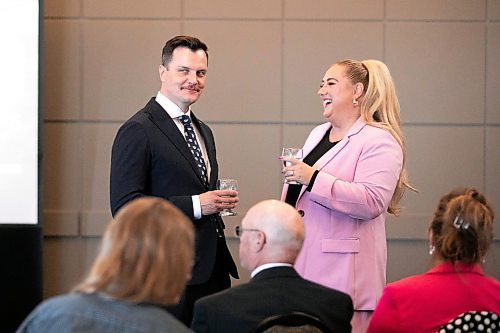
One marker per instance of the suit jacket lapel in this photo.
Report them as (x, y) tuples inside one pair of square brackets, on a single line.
[(329, 155), (166, 125), (209, 146)]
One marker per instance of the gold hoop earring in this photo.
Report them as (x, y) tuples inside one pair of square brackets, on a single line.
[(355, 102)]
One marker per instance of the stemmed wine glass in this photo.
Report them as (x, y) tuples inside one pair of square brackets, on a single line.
[(296, 153), (227, 184)]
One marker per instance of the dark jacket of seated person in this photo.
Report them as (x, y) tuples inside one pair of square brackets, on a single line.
[(144, 262), (271, 237)]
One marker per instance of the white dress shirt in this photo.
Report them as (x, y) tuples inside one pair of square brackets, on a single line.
[(175, 112), (269, 265)]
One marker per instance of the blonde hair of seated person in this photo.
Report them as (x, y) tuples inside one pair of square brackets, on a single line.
[(146, 254)]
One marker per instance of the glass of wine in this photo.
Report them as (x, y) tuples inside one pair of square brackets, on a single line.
[(227, 184), (296, 153)]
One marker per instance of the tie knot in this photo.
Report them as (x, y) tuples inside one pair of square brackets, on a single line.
[(185, 120)]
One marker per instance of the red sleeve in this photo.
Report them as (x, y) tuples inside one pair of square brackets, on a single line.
[(385, 319)]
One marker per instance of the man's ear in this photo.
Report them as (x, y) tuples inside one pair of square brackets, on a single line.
[(260, 241), (162, 70)]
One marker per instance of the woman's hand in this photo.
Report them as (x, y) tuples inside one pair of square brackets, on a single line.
[(297, 170)]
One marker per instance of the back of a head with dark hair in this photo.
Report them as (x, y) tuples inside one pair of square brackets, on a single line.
[(437, 221), (463, 226), (192, 43)]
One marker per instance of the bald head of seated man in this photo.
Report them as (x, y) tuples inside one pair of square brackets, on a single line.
[(271, 237)]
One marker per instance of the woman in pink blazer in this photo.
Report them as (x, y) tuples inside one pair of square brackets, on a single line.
[(351, 176), (460, 235)]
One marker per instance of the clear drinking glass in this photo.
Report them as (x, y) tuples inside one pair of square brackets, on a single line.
[(227, 184), (296, 153)]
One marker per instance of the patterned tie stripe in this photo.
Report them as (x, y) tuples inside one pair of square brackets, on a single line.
[(194, 146)]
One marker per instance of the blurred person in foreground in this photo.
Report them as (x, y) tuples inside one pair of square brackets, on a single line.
[(272, 233), (459, 238), (145, 259), (352, 175)]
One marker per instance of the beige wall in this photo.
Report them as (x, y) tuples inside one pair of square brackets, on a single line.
[(267, 58)]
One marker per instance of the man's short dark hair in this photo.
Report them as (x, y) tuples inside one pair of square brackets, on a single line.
[(192, 43)]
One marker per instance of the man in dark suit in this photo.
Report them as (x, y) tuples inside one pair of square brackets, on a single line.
[(164, 150), (272, 233)]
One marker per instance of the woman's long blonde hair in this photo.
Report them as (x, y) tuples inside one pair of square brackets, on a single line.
[(146, 254), (379, 107)]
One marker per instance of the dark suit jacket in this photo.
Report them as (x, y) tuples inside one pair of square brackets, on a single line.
[(150, 157), (273, 291)]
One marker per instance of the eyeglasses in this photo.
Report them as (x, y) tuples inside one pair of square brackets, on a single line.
[(238, 230)]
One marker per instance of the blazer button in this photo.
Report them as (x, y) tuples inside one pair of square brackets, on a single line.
[(301, 213)]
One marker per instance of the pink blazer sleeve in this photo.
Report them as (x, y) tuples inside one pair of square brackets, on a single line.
[(359, 175), (368, 194)]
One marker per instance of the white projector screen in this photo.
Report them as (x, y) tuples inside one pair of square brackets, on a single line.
[(19, 62)]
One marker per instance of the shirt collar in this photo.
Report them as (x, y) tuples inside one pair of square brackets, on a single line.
[(170, 107), (269, 265)]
